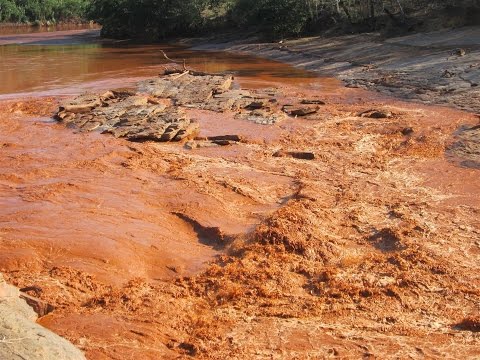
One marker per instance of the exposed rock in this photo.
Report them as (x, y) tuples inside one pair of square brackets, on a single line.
[(295, 154), (466, 147), (227, 100), (255, 105), (234, 138), (42, 308), (22, 338), (376, 114), (150, 114), (299, 111), (133, 117), (123, 92), (194, 144), (210, 141), (407, 131), (459, 52), (262, 116), (224, 142), (312, 102), (470, 323), (187, 89), (81, 104)]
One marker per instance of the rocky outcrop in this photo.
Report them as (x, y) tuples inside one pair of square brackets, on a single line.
[(157, 110), (22, 338), (215, 93), (187, 89), (134, 117)]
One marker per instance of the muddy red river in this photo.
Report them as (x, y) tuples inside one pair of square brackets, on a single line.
[(370, 248)]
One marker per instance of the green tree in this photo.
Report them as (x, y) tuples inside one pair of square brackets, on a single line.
[(10, 12), (42, 10), (147, 19)]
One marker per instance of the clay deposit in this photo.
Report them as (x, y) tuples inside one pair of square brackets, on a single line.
[(347, 226)]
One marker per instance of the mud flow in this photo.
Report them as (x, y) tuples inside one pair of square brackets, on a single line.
[(240, 209)]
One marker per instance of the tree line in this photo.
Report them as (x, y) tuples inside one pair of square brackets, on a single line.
[(155, 19), (24, 11)]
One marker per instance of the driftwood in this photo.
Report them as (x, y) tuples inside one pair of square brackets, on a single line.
[(173, 61), (184, 70), (172, 71)]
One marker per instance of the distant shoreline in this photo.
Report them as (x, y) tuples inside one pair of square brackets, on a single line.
[(26, 28)]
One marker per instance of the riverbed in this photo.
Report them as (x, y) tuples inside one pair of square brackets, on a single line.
[(146, 250)]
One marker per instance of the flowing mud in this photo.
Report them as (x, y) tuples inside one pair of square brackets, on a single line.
[(339, 230)]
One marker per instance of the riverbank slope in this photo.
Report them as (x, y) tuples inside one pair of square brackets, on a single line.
[(441, 67)]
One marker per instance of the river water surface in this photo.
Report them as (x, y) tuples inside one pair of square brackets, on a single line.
[(68, 62)]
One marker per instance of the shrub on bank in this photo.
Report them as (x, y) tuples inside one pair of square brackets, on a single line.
[(41, 11)]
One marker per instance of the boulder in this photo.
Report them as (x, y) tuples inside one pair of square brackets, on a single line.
[(376, 114), (303, 155), (22, 338)]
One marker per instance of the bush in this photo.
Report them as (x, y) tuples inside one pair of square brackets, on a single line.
[(42, 10), (275, 18), (10, 12), (147, 19)]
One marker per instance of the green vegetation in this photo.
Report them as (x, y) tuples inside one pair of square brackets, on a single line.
[(40, 11), (148, 19), (274, 19), (154, 19)]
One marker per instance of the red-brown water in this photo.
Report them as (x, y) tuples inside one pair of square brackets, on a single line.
[(43, 162), (69, 62)]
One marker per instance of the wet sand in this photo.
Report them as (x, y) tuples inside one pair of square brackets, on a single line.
[(369, 250)]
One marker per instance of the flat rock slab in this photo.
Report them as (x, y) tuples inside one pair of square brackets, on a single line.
[(135, 117), (187, 89), (155, 111)]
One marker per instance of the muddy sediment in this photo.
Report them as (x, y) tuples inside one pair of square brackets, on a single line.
[(340, 229)]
